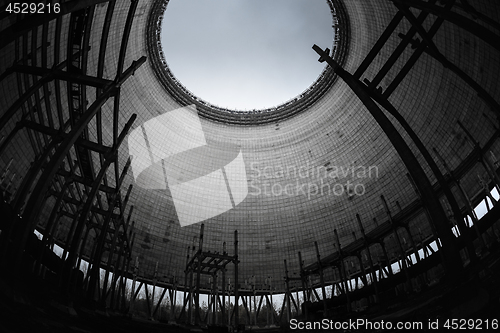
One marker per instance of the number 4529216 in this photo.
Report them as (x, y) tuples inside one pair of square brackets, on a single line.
[(33, 8), (464, 324)]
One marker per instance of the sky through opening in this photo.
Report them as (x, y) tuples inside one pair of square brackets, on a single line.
[(246, 54)]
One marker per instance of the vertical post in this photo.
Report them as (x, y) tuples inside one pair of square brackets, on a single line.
[(119, 270), (113, 249), (155, 276), (52, 221), (267, 306), (229, 314), (271, 296), (190, 297), (402, 252), (305, 294), (487, 167), (255, 302), (236, 286), (287, 294), (81, 245), (321, 277), (367, 245), (123, 281), (342, 272), (298, 301), (467, 202), (96, 260), (199, 255), (132, 295), (362, 267), (214, 297), (108, 267), (384, 251), (186, 272), (223, 310), (174, 302)]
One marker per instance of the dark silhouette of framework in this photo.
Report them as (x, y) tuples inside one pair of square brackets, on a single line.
[(64, 168), (209, 263), (370, 94)]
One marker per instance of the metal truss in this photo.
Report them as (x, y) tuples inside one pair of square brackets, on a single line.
[(69, 175), (375, 273)]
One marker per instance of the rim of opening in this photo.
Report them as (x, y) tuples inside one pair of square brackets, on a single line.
[(298, 104)]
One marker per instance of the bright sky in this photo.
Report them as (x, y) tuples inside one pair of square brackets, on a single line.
[(246, 54)]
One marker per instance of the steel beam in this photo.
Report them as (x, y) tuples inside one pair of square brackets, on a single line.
[(35, 201), (321, 278), (402, 252), (384, 37), (58, 74), (236, 286), (343, 275), (384, 102), (452, 264), (367, 245), (110, 158), (96, 260), (457, 19), (198, 276)]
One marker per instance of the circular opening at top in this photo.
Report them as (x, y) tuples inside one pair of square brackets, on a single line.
[(338, 43), (246, 54)]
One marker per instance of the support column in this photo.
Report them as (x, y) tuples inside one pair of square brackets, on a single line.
[(35, 201), (287, 294), (111, 254), (384, 251), (199, 256), (384, 102), (305, 294), (190, 297), (236, 286), (134, 279), (466, 200), (174, 300), (223, 308), (367, 245), (119, 273), (123, 279), (457, 19), (402, 252), (343, 275), (321, 278), (52, 223), (452, 264), (214, 297), (96, 260), (481, 92), (155, 276), (487, 167)]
